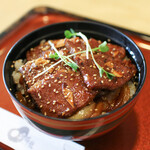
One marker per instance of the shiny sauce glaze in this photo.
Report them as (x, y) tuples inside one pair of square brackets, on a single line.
[(64, 93)]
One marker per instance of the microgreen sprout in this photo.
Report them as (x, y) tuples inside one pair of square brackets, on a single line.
[(68, 61), (102, 47), (65, 59), (69, 34), (54, 56)]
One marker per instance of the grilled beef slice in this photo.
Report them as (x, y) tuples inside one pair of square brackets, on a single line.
[(62, 94)]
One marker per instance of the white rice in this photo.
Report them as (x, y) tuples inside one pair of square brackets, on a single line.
[(17, 75)]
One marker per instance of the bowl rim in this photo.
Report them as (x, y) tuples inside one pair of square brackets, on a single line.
[(76, 120)]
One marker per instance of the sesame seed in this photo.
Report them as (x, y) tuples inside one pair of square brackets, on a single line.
[(55, 80), (41, 106), (47, 77), (49, 85), (59, 81), (45, 113), (53, 110), (102, 56), (83, 67), (103, 113), (12, 66), (95, 78), (102, 81), (54, 90), (109, 80), (72, 74), (91, 66), (65, 77), (94, 75), (77, 40), (86, 89), (71, 79), (48, 102), (94, 66), (52, 77), (67, 109), (57, 91), (29, 100), (112, 105), (79, 48), (77, 84), (61, 75), (95, 82), (42, 86), (39, 95), (54, 102)]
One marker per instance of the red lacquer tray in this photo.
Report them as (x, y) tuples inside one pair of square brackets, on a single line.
[(134, 132)]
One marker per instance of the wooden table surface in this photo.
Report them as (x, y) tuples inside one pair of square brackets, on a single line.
[(129, 14)]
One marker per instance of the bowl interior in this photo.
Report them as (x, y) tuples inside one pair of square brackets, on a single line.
[(56, 31)]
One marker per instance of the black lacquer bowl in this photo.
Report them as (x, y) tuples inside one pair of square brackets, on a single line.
[(78, 129)]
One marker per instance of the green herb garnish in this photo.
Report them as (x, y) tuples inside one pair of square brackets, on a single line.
[(54, 56), (102, 47), (73, 65), (108, 74), (69, 34), (65, 59)]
